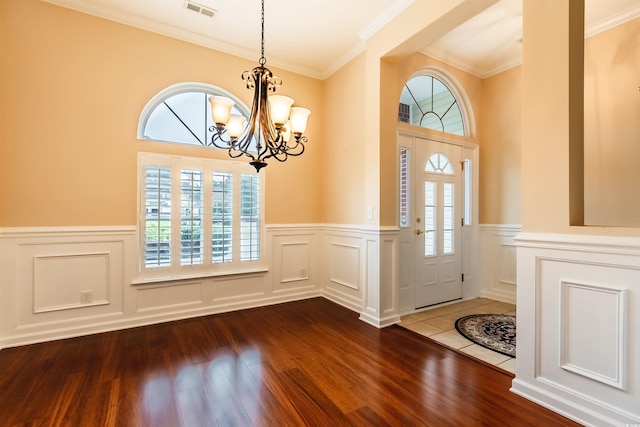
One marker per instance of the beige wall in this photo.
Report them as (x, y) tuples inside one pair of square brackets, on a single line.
[(552, 131), (500, 135), (612, 126), (343, 163), (72, 93)]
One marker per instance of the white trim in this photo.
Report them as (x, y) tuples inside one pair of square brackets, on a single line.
[(23, 232), (585, 243)]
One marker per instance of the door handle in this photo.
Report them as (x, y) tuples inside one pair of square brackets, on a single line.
[(418, 232)]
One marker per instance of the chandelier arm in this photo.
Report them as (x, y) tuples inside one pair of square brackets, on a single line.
[(299, 143)]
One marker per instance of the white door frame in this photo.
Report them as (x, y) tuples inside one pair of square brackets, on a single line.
[(406, 250)]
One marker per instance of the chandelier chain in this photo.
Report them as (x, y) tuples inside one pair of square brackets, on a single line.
[(263, 60)]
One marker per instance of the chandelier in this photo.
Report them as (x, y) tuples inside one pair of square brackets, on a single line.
[(274, 124)]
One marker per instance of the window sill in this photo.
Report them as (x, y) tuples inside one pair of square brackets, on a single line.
[(204, 275)]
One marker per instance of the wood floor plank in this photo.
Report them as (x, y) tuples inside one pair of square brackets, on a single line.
[(304, 363)]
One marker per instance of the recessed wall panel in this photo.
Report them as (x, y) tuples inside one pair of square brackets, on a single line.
[(585, 330), (163, 297), (70, 281), (294, 262), (344, 268)]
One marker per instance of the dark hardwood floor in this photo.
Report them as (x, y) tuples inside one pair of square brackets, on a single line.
[(307, 363)]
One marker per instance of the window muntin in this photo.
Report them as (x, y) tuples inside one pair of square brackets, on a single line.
[(427, 102), (198, 206)]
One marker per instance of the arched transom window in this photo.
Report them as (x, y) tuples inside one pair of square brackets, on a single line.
[(429, 103), (182, 114), (439, 163)]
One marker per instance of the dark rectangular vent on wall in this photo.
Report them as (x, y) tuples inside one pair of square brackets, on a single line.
[(403, 113), (203, 10)]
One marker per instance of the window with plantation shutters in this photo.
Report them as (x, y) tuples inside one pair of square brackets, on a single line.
[(222, 217), (191, 205), (201, 216), (157, 217), (250, 217)]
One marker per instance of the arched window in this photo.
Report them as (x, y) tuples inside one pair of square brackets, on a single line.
[(198, 216), (439, 163), (182, 114), (428, 102)]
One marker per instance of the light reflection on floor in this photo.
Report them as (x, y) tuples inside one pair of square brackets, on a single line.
[(226, 390)]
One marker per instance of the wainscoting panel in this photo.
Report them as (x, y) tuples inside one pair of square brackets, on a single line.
[(406, 277), (71, 278), (607, 328), (294, 257), (294, 262), (498, 261), (344, 265), (169, 297), (61, 282), (343, 260), (578, 330)]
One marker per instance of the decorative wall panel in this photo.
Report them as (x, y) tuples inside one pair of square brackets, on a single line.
[(62, 282), (344, 265), (581, 327), (169, 297)]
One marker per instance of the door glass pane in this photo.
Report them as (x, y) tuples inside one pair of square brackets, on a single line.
[(429, 218), (449, 222)]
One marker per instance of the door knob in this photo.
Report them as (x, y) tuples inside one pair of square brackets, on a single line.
[(418, 232)]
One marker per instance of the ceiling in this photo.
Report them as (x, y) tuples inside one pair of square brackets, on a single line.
[(485, 45)]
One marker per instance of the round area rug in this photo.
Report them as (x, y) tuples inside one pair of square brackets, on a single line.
[(496, 332)]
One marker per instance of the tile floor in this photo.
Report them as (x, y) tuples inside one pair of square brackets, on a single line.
[(439, 325)]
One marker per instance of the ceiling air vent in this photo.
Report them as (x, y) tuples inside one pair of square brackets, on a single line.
[(204, 10)]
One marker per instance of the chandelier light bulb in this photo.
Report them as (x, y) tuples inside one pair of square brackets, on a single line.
[(298, 119), (286, 131), (235, 126), (220, 109), (280, 106)]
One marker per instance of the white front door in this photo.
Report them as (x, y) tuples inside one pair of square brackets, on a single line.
[(438, 190)]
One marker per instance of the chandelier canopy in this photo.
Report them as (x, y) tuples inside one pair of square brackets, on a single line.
[(274, 124)]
